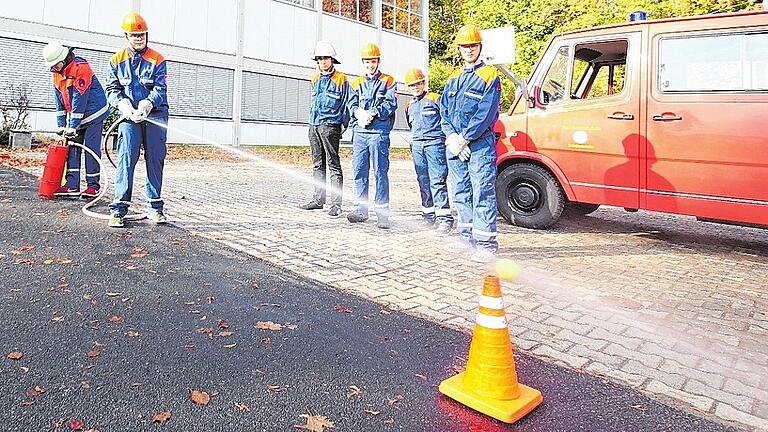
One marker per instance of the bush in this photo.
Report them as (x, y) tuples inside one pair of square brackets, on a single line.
[(15, 109)]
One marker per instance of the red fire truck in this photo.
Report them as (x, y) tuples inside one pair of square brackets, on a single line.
[(664, 115)]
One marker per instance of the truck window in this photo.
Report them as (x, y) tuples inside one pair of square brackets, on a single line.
[(599, 69), (713, 63), (554, 84)]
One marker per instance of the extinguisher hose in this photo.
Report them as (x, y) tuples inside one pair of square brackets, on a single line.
[(105, 181)]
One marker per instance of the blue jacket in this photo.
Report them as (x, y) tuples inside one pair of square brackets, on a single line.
[(77, 92), (138, 76), (470, 103), (329, 99), (378, 95), (423, 116)]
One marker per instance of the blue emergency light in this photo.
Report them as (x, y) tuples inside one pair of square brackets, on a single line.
[(638, 16)]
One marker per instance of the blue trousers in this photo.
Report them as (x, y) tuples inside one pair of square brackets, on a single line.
[(371, 150), (92, 140), (474, 193), (132, 137), (431, 173)]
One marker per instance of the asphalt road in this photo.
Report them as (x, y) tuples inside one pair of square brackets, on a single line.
[(116, 326)]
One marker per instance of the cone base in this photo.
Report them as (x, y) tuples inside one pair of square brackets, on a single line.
[(508, 411)]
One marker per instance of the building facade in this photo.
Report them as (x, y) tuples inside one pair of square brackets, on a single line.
[(238, 70)]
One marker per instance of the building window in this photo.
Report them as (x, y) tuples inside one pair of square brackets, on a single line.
[(402, 16), (358, 10), (306, 3)]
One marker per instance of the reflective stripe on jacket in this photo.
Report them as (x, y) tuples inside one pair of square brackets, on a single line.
[(138, 76), (329, 99), (376, 94), (470, 102), (423, 116), (77, 92)]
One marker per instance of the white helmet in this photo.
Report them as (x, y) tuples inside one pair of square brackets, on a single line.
[(54, 52), (325, 49)]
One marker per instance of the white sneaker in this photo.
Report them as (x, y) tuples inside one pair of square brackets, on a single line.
[(158, 218), (458, 246), (483, 255)]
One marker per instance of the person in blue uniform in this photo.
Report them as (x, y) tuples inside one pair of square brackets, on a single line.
[(470, 107), (422, 113), (137, 88)]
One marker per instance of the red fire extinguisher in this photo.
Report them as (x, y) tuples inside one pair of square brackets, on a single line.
[(54, 169)]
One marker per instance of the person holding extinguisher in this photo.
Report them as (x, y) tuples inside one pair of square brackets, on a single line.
[(137, 88), (81, 107)]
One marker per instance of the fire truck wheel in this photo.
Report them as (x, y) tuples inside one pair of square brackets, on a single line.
[(529, 196), (579, 209)]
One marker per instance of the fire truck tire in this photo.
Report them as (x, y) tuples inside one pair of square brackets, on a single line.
[(579, 209), (529, 196)]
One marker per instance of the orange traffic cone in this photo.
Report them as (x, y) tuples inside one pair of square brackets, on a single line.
[(489, 384)]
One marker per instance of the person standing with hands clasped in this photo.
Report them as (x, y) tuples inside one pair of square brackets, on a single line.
[(137, 87), (428, 149), (328, 117), (470, 108), (81, 107), (372, 104)]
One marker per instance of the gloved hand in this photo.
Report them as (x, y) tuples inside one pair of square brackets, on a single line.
[(458, 146), (142, 112), (125, 107), (364, 118), (69, 133)]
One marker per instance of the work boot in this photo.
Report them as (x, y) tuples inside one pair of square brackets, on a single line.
[(444, 228), (64, 191), (383, 222), (429, 223), (158, 218), (334, 212), (312, 205), (483, 255), (90, 192), (357, 216), (116, 221)]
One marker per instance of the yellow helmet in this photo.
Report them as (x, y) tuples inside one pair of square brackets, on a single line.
[(369, 51), (414, 76), (468, 35), (134, 23)]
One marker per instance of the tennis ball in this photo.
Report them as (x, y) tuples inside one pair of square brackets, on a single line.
[(507, 269)]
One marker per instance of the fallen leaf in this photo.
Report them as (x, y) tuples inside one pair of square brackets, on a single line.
[(27, 403), (23, 248), (76, 424), (268, 325), (57, 318), (116, 319), (63, 260), (132, 333), (199, 397), (225, 334), (389, 421), (161, 417), (638, 407), (343, 309), (267, 341), (223, 324), (113, 294), (85, 385), (255, 285), (25, 261), (24, 369), (93, 353), (395, 399), (291, 326), (420, 376), (188, 346), (275, 388), (385, 312), (372, 412), (230, 345), (35, 392), (15, 355), (48, 261), (353, 391), (315, 423), (242, 407)]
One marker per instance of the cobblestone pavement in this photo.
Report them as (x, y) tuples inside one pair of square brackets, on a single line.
[(675, 307)]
